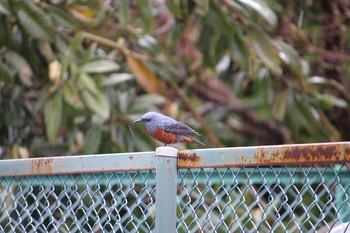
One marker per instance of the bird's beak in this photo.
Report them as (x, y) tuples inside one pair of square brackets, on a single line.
[(137, 121)]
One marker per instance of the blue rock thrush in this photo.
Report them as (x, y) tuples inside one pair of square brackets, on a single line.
[(167, 130)]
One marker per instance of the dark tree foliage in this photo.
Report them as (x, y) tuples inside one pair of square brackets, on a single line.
[(74, 74)]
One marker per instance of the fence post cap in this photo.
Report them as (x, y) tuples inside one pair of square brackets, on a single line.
[(166, 151)]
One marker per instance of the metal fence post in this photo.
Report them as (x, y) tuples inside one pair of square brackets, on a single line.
[(166, 183)]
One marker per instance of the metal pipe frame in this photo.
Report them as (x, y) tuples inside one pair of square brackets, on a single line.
[(295, 154)]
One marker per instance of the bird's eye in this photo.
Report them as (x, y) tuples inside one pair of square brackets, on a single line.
[(146, 120)]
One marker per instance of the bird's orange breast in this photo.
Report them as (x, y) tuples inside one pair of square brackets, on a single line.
[(164, 137)]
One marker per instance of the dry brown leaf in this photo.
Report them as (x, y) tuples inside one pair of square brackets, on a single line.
[(144, 76)]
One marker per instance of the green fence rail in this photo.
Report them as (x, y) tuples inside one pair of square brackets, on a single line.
[(289, 188)]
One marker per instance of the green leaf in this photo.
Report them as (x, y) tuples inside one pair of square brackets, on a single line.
[(280, 106), (13, 113), (43, 99), (264, 48), (71, 96), (124, 13), (146, 102), (261, 9), (117, 78), (289, 56), (308, 115), (146, 14), (239, 51), (87, 82), (164, 69), (34, 20), (99, 66), (263, 87), (329, 83), (92, 139), (179, 8), (53, 117), (148, 42), (75, 44), (63, 18), (71, 52), (327, 101), (21, 66), (97, 103), (218, 18), (4, 7), (6, 74)]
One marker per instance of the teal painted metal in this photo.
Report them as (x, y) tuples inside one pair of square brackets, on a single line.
[(294, 188), (306, 154), (201, 158), (166, 184), (78, 164), (246, 199), (138, 177)]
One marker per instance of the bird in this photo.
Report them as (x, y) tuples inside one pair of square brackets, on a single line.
[(168, 130)]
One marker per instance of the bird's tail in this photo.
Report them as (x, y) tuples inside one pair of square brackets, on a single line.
[(195, 141)]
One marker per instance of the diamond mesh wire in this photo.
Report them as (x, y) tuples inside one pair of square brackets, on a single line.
[(100, 202), (247, 199), (264, 199)]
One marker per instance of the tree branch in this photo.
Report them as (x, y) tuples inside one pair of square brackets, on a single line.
[(217, 91)]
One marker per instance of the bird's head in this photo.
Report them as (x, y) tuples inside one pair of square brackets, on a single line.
[(150, 120), (147, 117)]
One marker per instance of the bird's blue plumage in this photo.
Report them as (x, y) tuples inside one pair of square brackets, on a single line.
[(152, 120), (166, 129)]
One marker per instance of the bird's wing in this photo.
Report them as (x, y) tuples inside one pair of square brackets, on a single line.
[(179, 128)]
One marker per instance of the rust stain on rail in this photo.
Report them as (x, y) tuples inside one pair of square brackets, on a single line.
[(305, 154), (189, 159), (301, 154), (41, 166)]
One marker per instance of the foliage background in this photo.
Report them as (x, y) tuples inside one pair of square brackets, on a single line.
[(74, 74)]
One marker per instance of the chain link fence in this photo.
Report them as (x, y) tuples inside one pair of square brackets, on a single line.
[(268, 199), (284, 198), (100, 202)]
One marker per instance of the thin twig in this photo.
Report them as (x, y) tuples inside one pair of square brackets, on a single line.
[(118, 46), (328, 53)]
